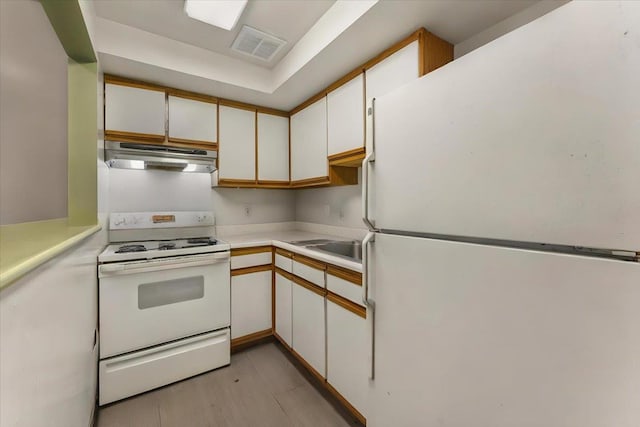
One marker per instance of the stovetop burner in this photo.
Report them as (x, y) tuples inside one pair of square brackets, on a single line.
[(201, 241), (166, 246), (131, 248)]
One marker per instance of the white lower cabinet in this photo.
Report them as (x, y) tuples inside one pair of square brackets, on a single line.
[(347, 355), (250, 303), (309, 327), (283, 308)]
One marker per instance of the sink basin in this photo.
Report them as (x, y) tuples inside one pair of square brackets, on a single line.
[(311, 242), (351, 250)]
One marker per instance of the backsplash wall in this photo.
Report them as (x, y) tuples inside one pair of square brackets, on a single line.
[(336, 206), (140, 191)]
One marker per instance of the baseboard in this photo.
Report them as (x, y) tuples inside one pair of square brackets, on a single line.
[(250, 340)]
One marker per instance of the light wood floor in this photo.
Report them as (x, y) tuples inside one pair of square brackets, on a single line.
[(263, 386)]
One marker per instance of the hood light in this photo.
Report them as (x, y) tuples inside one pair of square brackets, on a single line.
[(136, 164)]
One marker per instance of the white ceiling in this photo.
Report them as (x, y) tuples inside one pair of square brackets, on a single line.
[(164, 46), (285, 19)]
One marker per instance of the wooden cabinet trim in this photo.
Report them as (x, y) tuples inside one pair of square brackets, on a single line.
[(255, 145), (209, 144), (309, 262), (394, 48), (311, 182), (249, 251), (273, 184), (191, 95), (250, 270), (346, 403), (284, 252), (250, 339), (279, 338), (345, 274), (434, 52), (352, 158), (307, 366), (252, 107), (123, 81), (284, 273), (343, 175), (416, 35), (249, 183), (134, 136), (308, 285), (347, 304)]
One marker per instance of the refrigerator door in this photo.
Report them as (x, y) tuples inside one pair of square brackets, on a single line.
[(533, 137), (473, 335)]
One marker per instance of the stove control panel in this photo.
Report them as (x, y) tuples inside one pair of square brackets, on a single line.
[(141, 220)]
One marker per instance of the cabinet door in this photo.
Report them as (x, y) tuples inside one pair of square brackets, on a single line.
[(273, 148), (397, 70), (237, 149), (193, 121), (250, 303), (134, 110), (308, 326), (345, 117), (309, 142), (347, 354), (283, 308)]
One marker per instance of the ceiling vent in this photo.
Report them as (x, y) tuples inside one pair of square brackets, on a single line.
[(257, 44)]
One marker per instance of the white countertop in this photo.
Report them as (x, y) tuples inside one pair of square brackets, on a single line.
[(281, 240)]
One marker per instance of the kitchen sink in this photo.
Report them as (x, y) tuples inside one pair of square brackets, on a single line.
[(348, 249), (311, 242), (351, 249)]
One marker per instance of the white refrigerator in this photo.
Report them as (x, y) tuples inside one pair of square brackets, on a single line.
[(502, 193)]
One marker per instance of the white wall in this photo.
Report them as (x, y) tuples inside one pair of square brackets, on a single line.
[(503, 27), (33, 116), (336, 206), (236, 206), (149, 190)]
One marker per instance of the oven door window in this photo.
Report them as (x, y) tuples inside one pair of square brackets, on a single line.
[(167, 292)]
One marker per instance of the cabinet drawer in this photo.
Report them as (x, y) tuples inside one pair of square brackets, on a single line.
[(250, 260), (284, 263), (344, 288), (137, 372), (308, 273)]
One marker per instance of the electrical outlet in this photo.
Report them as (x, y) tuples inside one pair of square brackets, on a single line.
[(247, 210)]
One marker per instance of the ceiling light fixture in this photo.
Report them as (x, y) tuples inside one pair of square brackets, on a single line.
[(221, 13)]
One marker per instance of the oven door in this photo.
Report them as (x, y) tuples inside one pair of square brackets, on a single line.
[(145, 303)]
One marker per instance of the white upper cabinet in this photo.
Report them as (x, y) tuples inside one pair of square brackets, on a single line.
[(273, 147), (192, 120), (309, 142), (237, 150), (345, 117), (132, 109), (397, 70)]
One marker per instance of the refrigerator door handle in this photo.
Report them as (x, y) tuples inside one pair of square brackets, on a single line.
[(368, 302), (365, 171)]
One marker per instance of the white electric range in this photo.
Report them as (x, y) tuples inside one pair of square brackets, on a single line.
[(164, 301)]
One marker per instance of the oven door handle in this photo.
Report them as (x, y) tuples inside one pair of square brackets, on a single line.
[(162, 264)]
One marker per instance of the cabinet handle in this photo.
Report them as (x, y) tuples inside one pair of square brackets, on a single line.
[(368, 302)]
